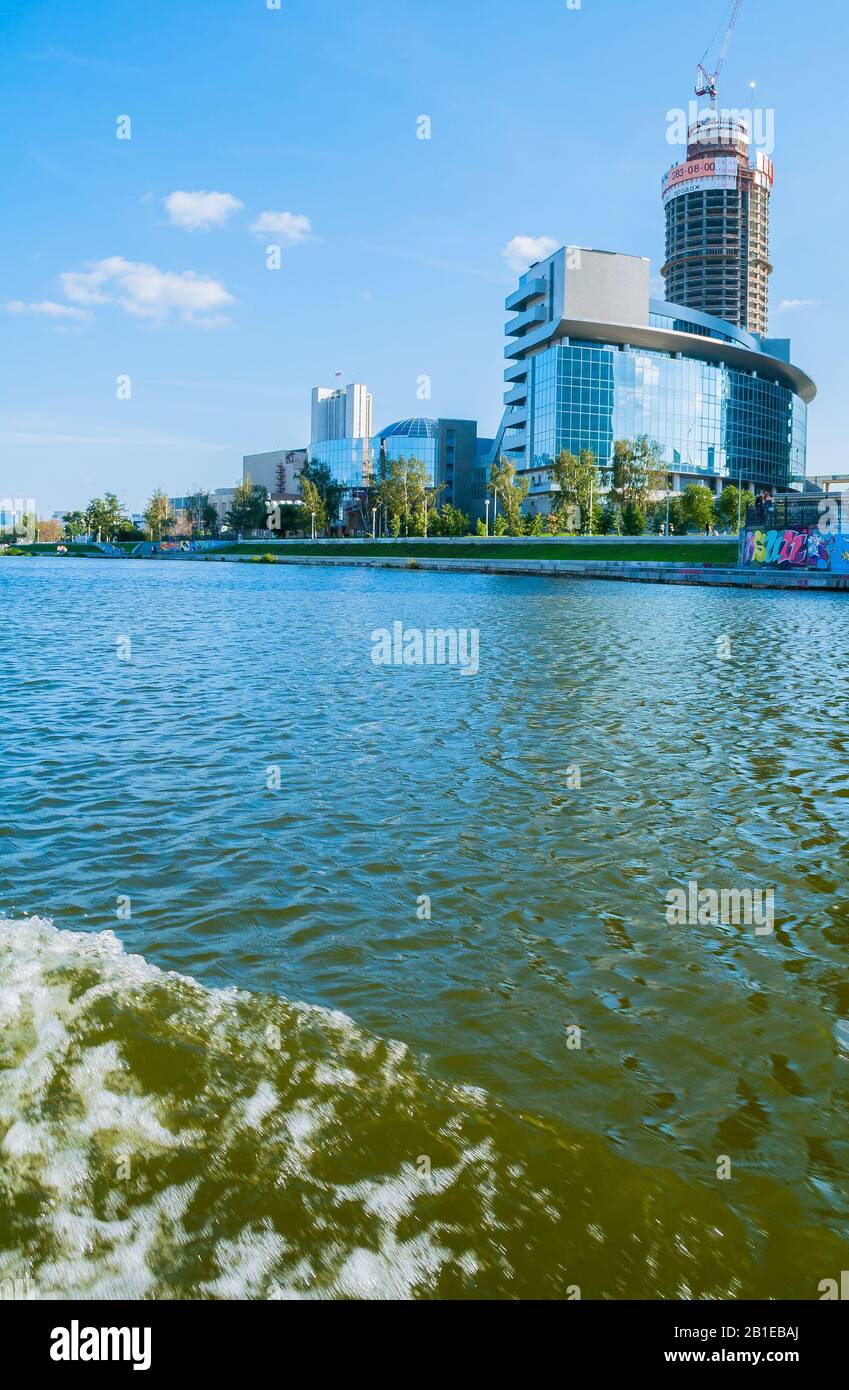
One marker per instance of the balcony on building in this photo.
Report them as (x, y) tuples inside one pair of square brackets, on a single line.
[(532, 289), (518, 326)]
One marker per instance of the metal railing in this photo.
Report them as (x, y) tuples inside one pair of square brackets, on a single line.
[(795, 513)]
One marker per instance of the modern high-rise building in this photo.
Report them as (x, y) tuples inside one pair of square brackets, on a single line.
[(343, 413), (592, 359), (717, 224), (340, 433)]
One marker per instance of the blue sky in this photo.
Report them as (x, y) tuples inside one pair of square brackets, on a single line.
[(547, 121)]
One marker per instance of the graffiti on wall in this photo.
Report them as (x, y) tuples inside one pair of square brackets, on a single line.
[(808, 549)]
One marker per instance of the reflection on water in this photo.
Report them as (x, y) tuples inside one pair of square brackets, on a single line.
[(476, 868)]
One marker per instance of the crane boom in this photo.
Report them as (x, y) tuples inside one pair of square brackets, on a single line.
[(706, 82)]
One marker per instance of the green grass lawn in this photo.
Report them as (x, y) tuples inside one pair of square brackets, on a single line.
[(692, 552), (695, 551)]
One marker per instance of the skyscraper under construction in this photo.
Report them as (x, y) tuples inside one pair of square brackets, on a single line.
[(717, 212), (717, 224)]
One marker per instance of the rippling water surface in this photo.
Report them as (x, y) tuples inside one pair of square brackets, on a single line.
[(234, 1058)]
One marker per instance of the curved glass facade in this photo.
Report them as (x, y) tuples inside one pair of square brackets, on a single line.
[(411, 439), (707, 417), (351, 461)]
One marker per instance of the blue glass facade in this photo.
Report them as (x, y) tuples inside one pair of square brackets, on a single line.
[(351, 461), (591, 359), (411, 439), (707, 417), (449, 449)]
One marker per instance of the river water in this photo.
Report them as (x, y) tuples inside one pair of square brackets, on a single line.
[(325, 978)]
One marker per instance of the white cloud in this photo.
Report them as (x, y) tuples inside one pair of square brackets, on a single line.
[(196, 211), (522, 251), (290, 227), (48, 308), (148, 292), (797, 303)]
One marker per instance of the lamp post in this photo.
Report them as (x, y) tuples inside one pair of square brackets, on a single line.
[(425, 513), (312, 518), (373, 521), (487, 517)]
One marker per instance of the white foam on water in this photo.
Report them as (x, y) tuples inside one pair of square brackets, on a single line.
[(159, 1139), (82, 1022)]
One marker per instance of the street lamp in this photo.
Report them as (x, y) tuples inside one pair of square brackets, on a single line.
[(312, 516), (487, 517), (373, 521)]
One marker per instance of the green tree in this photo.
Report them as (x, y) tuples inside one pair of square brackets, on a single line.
[(510, 492), (578, 481), (105, 516), (533, 525), (75, 524), (636, 471), (198, 507), (288, 518), (697, 506), (611, 517), (313, 505), (249, 508), (633, 519), (325, 495), (726, 507), (157, 515), (403, 491)]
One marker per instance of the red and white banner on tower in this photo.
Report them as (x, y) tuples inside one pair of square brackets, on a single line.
[(710, 172)]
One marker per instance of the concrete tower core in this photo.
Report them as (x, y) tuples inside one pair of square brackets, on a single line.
[(717, 224)]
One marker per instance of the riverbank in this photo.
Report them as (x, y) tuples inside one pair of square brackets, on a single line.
[(633, 571), (640, 560), (692, 549)]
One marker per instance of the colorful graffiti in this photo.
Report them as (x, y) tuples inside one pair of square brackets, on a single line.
[(808, 549)]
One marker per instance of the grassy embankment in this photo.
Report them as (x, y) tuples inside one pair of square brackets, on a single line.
[(695, 552), (692, 552)]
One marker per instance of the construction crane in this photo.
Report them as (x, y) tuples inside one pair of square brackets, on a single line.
[(706, 82)]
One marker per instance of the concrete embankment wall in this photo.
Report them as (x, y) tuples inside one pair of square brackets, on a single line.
[(633, 571)]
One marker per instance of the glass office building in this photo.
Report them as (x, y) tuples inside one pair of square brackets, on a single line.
[(449, 449), (591, 360), (411, 439), (351, 461)]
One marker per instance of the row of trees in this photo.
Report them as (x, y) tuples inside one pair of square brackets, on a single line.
[(633, 502), (622, 498), (106, 519)]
